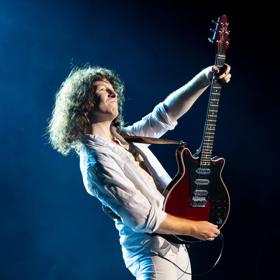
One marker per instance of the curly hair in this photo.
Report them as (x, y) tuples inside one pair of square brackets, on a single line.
[(71, 115)]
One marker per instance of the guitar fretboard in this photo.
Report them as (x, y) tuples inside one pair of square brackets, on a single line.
[(211, 117)]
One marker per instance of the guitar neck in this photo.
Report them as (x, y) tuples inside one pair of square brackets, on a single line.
[(211, 117)]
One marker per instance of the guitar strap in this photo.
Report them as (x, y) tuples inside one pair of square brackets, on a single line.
[(151, 140)]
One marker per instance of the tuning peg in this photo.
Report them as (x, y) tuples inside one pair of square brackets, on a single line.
[(213, 21), (210, 40)]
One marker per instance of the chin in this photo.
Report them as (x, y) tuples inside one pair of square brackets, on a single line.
[(115, 113)]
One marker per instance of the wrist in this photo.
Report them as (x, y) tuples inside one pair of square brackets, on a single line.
[(192, 228)]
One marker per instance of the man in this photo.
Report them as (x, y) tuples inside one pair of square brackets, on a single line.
[(127, 178)]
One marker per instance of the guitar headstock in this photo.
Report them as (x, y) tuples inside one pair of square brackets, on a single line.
[(220, 34)]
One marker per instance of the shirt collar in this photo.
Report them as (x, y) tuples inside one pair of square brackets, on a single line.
[(92, 139)]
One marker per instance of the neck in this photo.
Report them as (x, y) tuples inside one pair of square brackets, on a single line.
[(102, 129)]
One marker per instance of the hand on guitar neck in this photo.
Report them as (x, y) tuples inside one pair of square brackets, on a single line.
[(201, 230), (222, 74)]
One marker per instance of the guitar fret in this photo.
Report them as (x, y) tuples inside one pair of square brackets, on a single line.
[(211, 127), (214, 101), (205, 164), (222, 56), (207, 148)]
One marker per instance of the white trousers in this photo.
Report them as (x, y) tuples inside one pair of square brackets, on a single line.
[(155, 267)]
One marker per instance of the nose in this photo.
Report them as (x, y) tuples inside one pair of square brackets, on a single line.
[(112, 93)]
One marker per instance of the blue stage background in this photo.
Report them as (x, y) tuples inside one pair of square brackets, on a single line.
[(50, 227)]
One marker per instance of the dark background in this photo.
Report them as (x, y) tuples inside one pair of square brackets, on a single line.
[(50, 227)]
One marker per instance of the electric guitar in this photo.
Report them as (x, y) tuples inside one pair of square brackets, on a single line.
[(198, 192)]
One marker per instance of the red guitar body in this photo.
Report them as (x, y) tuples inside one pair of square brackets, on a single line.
[(196, 193)]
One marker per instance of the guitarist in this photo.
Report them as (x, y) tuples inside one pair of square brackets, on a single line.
[(127, 178)]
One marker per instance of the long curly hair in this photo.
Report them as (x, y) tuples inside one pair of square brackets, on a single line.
[(74, 101)]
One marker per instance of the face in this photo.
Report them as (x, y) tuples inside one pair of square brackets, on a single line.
[(105, 102)]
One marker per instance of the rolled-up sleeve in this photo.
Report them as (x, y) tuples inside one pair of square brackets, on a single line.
[(111, 186), (155, 124)]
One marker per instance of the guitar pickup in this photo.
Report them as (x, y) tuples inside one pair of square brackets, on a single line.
[(203, 171), (202, 182), (200, 193), (198, 201)]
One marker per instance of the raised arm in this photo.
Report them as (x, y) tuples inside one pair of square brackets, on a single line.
[(165, 115), (181, 100)]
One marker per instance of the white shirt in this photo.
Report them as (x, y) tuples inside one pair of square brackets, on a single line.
[(111, 174)]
